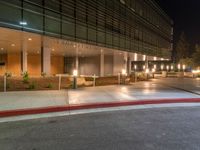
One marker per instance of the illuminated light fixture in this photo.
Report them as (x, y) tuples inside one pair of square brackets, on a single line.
[(74, 46), (195, 71), (172, 67), (2, 48), (75, 73), (23, 23), (153, 70), (30, 39), (155, 66), (53, 49), (144, 67), (144, 57), (12, 45), (154, 58), (184, 67), (147, 70), (179, 66), (162, 59), (135, 67), (162, 67), (135, 57), (167, 68), (124, 72)]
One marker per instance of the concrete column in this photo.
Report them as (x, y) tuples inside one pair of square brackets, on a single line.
[(129, 65), (126, 62), (24, 57), (102, 64), (46, 60), (76, 62)]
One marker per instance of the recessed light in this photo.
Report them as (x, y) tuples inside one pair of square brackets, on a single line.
[(2, 48), (30, 39), (23, 23), (12, 45), (53, 49)]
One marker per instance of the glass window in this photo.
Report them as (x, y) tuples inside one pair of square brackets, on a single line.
[(92, 34), (81, 31), (10, 14)]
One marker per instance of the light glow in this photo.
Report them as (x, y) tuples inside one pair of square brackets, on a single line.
[(23, 23), (124, 72), (75, 73)]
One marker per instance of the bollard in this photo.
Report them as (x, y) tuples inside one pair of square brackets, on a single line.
[(135, 76), (74, 82), (94, 80), (5, 83), (59, 82)]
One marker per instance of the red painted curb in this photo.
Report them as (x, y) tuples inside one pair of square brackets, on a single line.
[(19, 112)]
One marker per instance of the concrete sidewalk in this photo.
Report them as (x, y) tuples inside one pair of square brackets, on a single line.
[(105, 94)]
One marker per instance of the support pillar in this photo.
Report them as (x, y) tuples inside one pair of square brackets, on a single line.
[(24, 58), (47, 61), (126, 62), (77, 62), (102, 64)]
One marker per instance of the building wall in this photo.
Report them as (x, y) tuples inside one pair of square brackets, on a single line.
[(3, 68), (108, 65), (14, 64), (89, 65), (34, 64), (57, 65), (129, 25)]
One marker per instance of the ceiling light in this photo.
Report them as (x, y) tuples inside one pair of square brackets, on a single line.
[(2, 48), (53, 49), (30, 39), (12, 45), (23, 23)]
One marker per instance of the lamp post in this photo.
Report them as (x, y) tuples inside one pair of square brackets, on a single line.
[(75, 74)]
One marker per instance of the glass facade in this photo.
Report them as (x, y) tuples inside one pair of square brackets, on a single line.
[(137, 26)]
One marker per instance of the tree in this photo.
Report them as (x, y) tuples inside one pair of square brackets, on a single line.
[(182, 48), (196, 56)]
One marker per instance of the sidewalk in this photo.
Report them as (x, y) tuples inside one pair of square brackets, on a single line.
[(108, 96)]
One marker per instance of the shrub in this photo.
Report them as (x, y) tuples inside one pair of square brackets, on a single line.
[(32, 86), (8, 74), (49, 86), (43, 74), (25, 77)]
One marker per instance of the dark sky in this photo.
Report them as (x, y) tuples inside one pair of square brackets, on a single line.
[(186, 17)]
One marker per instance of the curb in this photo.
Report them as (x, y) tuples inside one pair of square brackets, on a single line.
[(18, 112)]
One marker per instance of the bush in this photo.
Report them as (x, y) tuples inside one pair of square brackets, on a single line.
[(8, 74), (43, 74), (49, 86), (32, 86), (25, 77)]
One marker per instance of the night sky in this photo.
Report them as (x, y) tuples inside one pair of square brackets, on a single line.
[(186, 17)]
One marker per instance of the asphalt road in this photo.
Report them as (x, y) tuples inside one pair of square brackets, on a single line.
[(145, 129)]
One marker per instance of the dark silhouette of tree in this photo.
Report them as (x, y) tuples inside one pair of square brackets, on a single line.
[(182, 48), (196, 56)]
